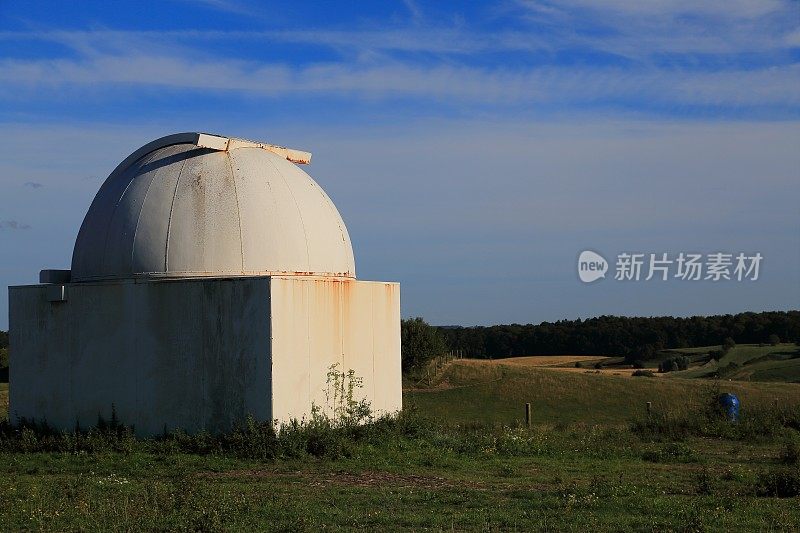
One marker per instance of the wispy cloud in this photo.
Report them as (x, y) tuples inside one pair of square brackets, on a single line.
[(414, 9), (667, 52), (636, 34), (632, 29), (13, 225), (33, 184), (229, 6), (768, 86), (642, 29)]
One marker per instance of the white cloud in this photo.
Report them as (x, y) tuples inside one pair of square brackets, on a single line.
[(635, 29), (414, 10), (768, 86), (13, 225), (639, 29), (229, 6), (437, 62)]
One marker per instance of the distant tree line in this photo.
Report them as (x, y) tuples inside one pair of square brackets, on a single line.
[(3, 339), (635, 338)]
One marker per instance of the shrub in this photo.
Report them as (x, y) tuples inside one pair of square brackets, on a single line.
[(323, 435), (716, 355), (728, 369), (420, 343), (704, 482), (643, 373), (638, 364), (708, 419), (790, 454), (671, 452), (781, 482), (728, 344), (673, 364), (774, 340), (33, 436)]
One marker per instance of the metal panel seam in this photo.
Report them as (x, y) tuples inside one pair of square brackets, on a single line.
[(169, 220), (227, 156), (104, 257), (299, 212), (338, 218), (139, 215)]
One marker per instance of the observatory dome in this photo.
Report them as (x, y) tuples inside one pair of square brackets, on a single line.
[(194, 204)]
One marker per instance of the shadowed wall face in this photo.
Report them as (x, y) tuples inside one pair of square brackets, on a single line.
[(174, 354)]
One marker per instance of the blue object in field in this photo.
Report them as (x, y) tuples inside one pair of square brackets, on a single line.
[(730, 404)]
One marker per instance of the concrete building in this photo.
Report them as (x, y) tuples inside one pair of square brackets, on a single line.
[(212, 280)]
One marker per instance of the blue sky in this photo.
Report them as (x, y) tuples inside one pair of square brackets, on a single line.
[(473, 148)]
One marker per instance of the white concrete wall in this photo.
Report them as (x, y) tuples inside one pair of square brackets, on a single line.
[(181, 354), (317, 322), (199, 353)]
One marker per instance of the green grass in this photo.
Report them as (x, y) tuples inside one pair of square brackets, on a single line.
[(570, 479), (581, 467), (788, 371), (398, 486), (497, 393), (752, 359), (744, 353)]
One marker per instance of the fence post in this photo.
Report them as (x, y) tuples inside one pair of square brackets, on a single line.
[(528, 415), (649, 407)]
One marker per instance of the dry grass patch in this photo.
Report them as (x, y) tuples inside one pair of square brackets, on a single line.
[(369, 478), (550, 360)]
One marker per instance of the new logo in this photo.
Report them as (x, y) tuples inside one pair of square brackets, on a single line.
[(591, 266)]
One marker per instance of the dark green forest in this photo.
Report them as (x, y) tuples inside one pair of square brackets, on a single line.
[(631, 337)]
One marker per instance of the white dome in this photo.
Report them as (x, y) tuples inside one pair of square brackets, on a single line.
[(201, 205)]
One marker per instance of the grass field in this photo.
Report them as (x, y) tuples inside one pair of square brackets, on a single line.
[(572, 481), (755, 363), (582, 466), (773, 371), (493, 391)]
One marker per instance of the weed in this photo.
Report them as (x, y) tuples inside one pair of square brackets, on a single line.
[(709, 420), (781, 482), (673, 452), (704, 482), (790, 453)]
